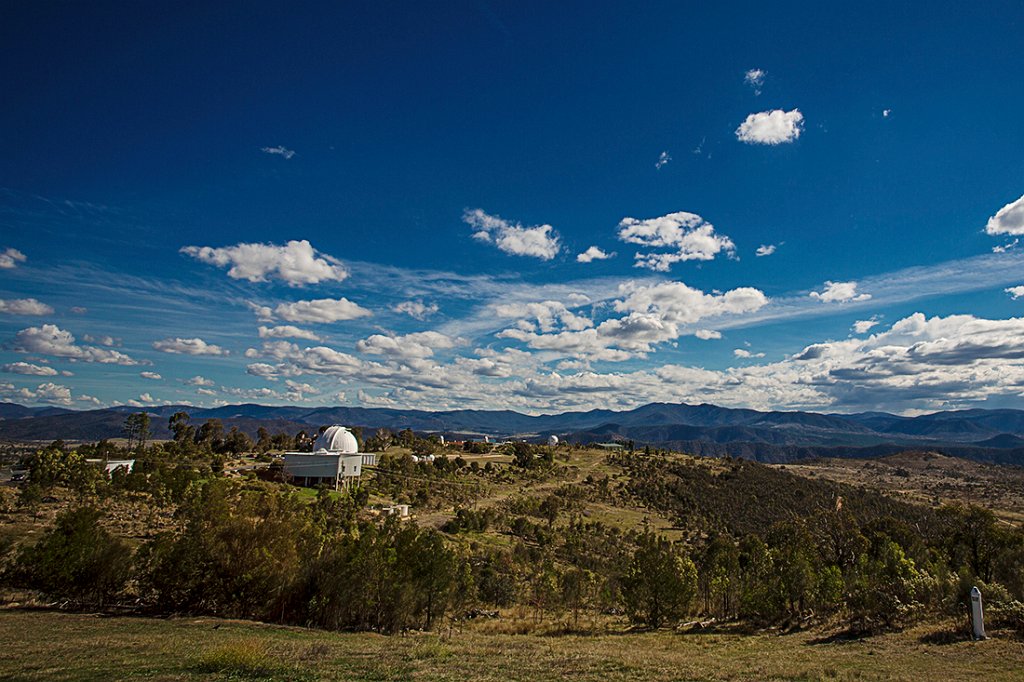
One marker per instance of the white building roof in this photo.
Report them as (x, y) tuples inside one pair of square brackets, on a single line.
[(337, 439)]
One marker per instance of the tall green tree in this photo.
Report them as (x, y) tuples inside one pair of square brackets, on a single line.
[(660, 582)]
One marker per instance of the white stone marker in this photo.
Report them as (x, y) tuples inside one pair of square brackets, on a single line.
[(977, 616)]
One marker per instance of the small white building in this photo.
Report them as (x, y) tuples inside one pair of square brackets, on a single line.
[(335, 461), (112, 465), (552, 441)]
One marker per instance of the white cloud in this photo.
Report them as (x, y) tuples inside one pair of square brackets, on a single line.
[(1008, 220), (690, 236), (150, 375), (295, 263), (663, 160), (863, 326), (539, 241), (24, 306), (1003, 248), (771, 127), (50, 339), (415, 309), (30, 369), (78, 310), (407, 347), (755, 79), (195, 346), (322, 310), (886, 113), (287, 331), (105, 340), (839, 292), (766, 250), (707, 334), (200, 381), (592, 254), (547, 314), (10, 258), (744, 354), (279, 151), (1015, 292), (50, 393), (651, 315)]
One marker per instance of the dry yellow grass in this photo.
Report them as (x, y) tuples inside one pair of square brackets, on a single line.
[(45, 645)]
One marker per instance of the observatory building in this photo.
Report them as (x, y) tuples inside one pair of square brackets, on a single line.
[(335, 460)]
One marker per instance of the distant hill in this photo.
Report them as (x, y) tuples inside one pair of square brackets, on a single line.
[(991, 435)]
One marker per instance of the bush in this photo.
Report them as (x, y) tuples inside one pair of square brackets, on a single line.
[(77, 558)]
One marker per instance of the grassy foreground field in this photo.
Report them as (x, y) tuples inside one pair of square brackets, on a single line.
[(48, 645)]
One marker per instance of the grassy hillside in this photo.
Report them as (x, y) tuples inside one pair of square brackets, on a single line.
[(57, 646)]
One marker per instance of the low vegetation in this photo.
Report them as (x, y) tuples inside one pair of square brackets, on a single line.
[(535, 539)]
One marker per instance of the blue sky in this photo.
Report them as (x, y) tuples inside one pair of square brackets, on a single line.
[(386, 205)]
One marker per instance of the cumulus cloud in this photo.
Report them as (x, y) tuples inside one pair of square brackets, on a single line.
[(538, 241), (321, 310), (765, 250), (688, 235), (287, 331), (150, 375), (1003, 248), (863, 326), (771, 127), (745, 354), (839, 292), (1007, 220), (886, 113), (707, 334), (199, 380), (30, 369), (1015, 292), (49, 339), (415, 309), (663, 160), (592, 254), (51, 393), (24, 306), (409, 346), (103, 340), (278, 151), (755, 79), (650, 315), (296, 263), (10, 258), (548, 315), (195, 346)]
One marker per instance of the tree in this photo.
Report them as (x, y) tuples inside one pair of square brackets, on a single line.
[(578, 587), (262, 439), (136, 430), (210, 434), (180, 427), (659, 584), (77, 558), (237, 442)]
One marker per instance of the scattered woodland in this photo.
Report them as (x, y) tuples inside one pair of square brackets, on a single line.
[(561, 540)]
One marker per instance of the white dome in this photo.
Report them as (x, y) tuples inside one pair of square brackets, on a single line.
[(337, 439), (552, 441)]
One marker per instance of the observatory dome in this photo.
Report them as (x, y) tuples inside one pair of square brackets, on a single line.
[(337, 439), (552, 441)]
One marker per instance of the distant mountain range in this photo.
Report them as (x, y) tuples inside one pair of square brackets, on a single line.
[(993, 435)]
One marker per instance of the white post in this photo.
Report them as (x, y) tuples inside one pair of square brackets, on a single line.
[(977, 615)]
